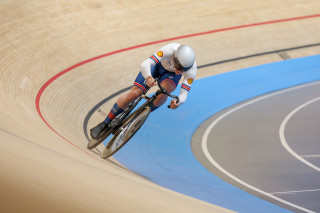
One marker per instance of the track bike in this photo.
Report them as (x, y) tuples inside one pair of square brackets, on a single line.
[(126, 125)]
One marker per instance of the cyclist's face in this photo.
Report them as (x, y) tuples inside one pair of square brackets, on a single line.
[(178, 72), (177, 66)]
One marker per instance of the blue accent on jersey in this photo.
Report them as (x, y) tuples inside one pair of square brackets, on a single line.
[(186, 87), (155, 59)]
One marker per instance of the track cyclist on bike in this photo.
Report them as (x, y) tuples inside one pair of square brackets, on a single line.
[(168, 64)]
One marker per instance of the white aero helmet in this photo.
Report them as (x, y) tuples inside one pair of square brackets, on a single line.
[(184, 58)]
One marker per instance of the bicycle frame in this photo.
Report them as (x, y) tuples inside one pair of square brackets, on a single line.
[(125, 117)]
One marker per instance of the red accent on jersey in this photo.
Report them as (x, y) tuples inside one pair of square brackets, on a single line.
[(170, 82), (154, 59), (140, 86), (185, 87)]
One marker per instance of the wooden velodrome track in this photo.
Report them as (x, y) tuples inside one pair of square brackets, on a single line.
[(44, 163)]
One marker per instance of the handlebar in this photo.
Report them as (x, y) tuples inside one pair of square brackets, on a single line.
[(164, 91)]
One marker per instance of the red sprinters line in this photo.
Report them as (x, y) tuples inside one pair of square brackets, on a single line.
[(42, 89)]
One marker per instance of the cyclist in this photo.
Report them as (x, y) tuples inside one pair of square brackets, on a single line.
[(168, 64)]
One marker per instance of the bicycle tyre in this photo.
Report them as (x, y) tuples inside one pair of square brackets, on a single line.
[(125, 133)]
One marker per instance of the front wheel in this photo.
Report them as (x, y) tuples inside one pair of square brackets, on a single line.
[(125, 133)]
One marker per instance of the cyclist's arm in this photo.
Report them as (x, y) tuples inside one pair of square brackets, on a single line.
[(188, 79), (146, 67)]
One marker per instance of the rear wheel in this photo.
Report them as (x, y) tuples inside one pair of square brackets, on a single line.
[(125, 133)]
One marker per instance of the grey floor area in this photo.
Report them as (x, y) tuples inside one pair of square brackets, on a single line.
[(246, 143)]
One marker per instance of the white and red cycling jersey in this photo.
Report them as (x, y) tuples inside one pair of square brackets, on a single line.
[(165, 56)]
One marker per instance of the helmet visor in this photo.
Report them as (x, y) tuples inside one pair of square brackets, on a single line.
[(178, 66)]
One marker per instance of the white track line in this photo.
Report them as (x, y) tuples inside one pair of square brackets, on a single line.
[(214, 163), (283, 139), (310, 156), (293, 192)]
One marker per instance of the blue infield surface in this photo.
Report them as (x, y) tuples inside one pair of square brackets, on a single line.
[(161, 150)]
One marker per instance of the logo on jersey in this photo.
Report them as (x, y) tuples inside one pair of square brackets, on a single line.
[(160, 53), (190, 80)]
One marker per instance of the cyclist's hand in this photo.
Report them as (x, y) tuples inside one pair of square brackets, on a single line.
[(174, 104), (151, 82)]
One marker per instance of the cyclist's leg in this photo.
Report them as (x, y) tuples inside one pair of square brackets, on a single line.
[(139, 87), (122, 103), (161, 99), (124, 100), (169, 81)]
